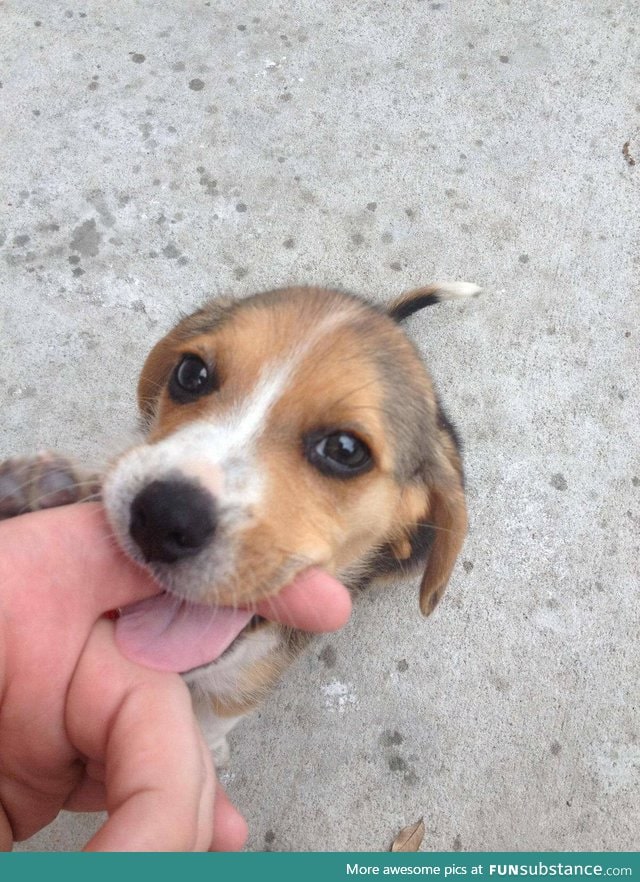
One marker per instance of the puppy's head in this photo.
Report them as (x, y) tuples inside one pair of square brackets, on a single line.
[(294, 429)]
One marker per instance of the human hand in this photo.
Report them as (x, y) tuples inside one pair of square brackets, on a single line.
[(83, 728)]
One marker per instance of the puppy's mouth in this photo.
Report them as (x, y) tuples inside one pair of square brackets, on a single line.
[(169, 634)]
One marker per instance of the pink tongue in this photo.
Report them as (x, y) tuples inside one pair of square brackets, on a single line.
[(169, 635)]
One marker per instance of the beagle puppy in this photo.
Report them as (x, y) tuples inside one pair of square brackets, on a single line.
[(295, 430)]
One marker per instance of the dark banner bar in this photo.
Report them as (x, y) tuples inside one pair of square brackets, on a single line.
[(322, 867)]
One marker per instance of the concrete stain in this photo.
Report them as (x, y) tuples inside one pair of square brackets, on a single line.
[(339, 696), (328, 656), (210, 184), (501, 684), (558, 481), (97, 200), (27, 392), (86, 239), (391, 739), (397, 764), (171, 251)]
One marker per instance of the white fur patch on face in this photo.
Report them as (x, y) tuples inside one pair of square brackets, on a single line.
[(218, 453)]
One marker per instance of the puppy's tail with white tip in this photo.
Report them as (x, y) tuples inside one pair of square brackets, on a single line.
[(417, 299)]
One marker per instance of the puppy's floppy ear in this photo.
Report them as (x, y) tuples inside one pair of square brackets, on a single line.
[(447, 513), (163, 357), (440, 517), (419, 298), (435, 520)]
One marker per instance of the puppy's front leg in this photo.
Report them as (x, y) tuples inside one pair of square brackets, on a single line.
[(46, 480), (215, 730)]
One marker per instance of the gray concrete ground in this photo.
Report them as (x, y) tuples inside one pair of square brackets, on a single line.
[(157, 153)]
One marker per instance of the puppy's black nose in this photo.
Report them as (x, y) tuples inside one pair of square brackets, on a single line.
[(172, 519)]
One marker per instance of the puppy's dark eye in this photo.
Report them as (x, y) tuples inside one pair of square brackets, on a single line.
[(191, 379), (340, 454)]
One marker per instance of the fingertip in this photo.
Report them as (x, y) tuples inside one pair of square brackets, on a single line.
[(340, 612), (314, 601), (230, 831)]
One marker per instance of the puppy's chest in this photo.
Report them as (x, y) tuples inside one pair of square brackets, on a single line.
[(242, 672)]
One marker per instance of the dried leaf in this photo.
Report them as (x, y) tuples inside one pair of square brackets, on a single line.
[(409, 838)]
